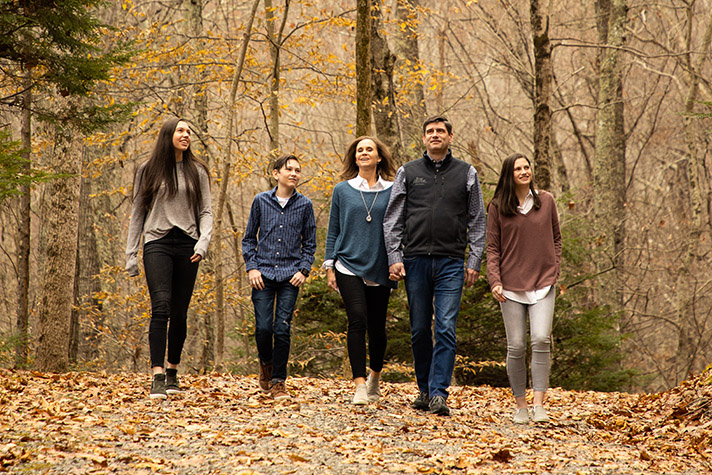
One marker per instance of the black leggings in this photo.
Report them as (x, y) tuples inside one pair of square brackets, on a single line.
[(366, 309), (170, 276)]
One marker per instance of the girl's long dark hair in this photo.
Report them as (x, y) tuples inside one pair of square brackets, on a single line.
[(505, 196), (161, 169), (386, 167)]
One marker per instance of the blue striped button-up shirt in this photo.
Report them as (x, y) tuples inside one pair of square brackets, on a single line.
[(287, 236)]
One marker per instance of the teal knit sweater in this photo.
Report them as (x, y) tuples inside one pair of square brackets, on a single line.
[(355, 242)]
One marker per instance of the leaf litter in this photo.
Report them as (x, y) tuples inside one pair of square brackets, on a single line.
[(222, 424)]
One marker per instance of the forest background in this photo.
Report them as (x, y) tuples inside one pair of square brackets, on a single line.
[(610, 98)]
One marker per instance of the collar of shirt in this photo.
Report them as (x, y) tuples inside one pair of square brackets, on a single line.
[(437, 163), (528, 204), (273, 194), (360, 183)]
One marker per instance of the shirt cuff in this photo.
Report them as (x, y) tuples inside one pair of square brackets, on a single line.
[(395, 258)]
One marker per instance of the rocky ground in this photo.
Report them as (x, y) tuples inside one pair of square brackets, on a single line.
[(222, 424)]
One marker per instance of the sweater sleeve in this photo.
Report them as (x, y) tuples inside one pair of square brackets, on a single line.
[(334, 227), (493, 246), (205, 216), (138, 216), (557, 236)]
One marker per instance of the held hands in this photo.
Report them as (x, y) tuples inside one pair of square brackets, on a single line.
[(196, 258), (497, 293), (471, 276), (396, 271)]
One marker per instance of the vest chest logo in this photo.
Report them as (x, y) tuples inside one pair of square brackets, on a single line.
[(419, 181)]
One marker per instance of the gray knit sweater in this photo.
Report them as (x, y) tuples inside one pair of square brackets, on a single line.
[(167, 213)]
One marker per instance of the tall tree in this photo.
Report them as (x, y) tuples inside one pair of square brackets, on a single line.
[(363, 67), (411, 97), (224, 180), (385, 113), (543, 79), (23, 227), (59, 263), (275, 50), (609, 167)]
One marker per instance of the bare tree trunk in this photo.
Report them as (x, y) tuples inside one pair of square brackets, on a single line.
[(23, 230), (56, 291), (413, 111), (609, 166), (384, 101), (363, 67), (224, 179), (688, 327), (275, 48), (194, 14), (543, 78)]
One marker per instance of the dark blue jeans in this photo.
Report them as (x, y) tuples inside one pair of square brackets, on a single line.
[(170, 276), (434, 287), (273, 324)]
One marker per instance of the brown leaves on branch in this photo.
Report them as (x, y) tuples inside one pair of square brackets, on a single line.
[(99, 423)]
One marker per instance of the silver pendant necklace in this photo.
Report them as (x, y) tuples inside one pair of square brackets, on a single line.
[(368, 210)]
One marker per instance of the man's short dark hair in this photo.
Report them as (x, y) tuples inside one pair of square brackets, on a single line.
[(438, 118), (281, 162)]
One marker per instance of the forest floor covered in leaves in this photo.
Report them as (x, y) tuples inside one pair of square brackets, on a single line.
[(222, 424)]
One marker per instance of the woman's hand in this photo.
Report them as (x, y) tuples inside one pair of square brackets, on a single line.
[(497, 293), (331, 279)]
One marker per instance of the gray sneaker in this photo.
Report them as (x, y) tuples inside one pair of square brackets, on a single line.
[(172, 386), (438, 405), (372, 389), (539, 414), (361, 396), (158, 387), (422, 402), (521, 416)]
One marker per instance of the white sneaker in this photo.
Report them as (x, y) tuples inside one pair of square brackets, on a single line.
[(521, 416), (361, 396), (372, 389), (539, 414)]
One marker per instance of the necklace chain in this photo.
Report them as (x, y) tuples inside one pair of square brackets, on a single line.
[(368, 210)]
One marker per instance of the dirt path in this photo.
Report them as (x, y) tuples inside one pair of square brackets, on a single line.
[(89, 423)]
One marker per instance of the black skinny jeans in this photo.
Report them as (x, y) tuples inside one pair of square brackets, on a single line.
[(170, 276), (366, 309)]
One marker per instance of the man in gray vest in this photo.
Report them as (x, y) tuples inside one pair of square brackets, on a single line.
[(434, 212)]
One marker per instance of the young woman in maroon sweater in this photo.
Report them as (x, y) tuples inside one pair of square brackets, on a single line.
[(523, 262)]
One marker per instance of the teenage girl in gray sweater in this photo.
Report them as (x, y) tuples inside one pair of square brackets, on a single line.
[(171, 211)]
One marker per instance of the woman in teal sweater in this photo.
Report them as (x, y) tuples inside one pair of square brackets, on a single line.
[(356, 262)]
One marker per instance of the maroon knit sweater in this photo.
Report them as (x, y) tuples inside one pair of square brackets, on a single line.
[(524, 251)]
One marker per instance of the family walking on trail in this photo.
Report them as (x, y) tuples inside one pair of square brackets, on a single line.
[(423, 224)]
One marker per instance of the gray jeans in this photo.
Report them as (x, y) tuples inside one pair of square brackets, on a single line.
[(541, 315)]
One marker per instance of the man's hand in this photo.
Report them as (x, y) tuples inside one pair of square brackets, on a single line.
[(255, 278), (471, 276), (331, 279), (297, 279), (396, 271)]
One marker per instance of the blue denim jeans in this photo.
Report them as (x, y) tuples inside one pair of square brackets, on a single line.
[(273, 324), (170, 277), (434, 287)]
